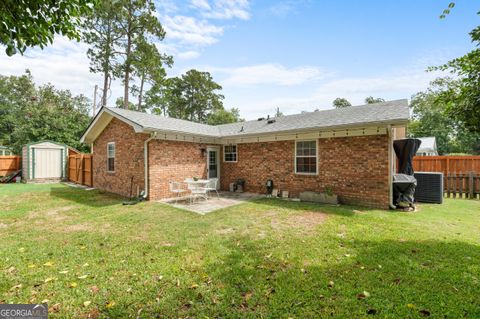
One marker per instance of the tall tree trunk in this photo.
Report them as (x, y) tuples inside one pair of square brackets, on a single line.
[(105, 88), (126, 79), (128, 52), (140, 93), (107, 65)]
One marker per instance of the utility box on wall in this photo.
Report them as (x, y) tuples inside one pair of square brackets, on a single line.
[(44, 161)]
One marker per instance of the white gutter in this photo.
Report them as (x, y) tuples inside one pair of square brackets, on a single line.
[(145, 159), (391, 158)]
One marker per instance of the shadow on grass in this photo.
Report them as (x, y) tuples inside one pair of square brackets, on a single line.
[(343, 210), (401, 279), (93, 198)]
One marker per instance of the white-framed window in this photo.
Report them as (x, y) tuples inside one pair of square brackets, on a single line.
[(111, 157), (230, 153), (306, 157)]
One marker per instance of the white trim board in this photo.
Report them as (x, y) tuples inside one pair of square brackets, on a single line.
[(377, 130)]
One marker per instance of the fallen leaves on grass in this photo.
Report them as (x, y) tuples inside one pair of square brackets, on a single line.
[(110, 304), (82, 277), (363, 295), (49, 279), (86, 303), (94, 289), (73, 285), (16, 287), (55, 308), (49, 264), (330, 284)]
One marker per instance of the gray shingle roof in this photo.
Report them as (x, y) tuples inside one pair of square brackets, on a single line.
[(380, 113), (158, 122)]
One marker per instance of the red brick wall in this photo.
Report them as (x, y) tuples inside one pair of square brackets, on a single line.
[(173, 161), (355, 167), (128, 159)]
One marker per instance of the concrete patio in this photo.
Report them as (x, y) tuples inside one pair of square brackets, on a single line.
[(202, 206)]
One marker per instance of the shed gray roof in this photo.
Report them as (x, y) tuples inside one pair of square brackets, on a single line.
[(391, 112), (428, 144)]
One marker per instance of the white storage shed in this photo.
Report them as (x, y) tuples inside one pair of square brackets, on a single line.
[(44, 161)]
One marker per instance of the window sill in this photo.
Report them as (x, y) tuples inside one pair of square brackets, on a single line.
[(306, 174)]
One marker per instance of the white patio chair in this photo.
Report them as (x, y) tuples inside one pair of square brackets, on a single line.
[(176, 188), (212, 186), (196, 192)]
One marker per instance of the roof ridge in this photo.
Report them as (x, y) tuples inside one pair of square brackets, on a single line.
[(343, 109)]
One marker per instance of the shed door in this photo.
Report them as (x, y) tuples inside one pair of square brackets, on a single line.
[(48, 163)]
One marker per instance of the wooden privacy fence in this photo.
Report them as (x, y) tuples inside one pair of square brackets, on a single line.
[(461, 174), (9, 164), (462, 185), (80, 169), (447, 164)]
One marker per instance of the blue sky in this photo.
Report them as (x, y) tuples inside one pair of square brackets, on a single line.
[(293, 54)]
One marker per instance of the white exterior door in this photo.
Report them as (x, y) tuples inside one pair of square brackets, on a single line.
[(48, 163), (213, 164)]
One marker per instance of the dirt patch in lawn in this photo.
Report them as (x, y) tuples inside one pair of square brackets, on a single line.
[(224, 231), (54, 214), (305, 222), (76, 227)]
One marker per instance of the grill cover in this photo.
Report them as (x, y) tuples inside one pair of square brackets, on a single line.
[(404, 183), (406, 150)]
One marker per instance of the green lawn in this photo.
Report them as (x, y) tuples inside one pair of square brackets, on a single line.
[(91, 257)]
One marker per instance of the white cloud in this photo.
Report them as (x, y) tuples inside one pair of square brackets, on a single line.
[(188, 30), (166, 6), (64, 64), (223, 9), (270, 74), (188, 55), (201, 4), (357, 88), (390, 86)]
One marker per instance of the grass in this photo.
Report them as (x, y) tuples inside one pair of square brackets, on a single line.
[(91, 257)]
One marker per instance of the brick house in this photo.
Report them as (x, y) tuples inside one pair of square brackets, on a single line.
[(348, 150)]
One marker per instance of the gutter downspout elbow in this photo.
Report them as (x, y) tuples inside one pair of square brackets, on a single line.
[(390, 166), (145, 159)]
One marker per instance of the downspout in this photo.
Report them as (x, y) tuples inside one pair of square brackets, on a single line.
[(390, 166), (145, 159)]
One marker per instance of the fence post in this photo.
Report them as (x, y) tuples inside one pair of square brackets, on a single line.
[(454, 177), (448, 165), (460, 190), (447, 184), (470, 185)]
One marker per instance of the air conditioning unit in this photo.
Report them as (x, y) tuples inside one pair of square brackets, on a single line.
[(429, 187)]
